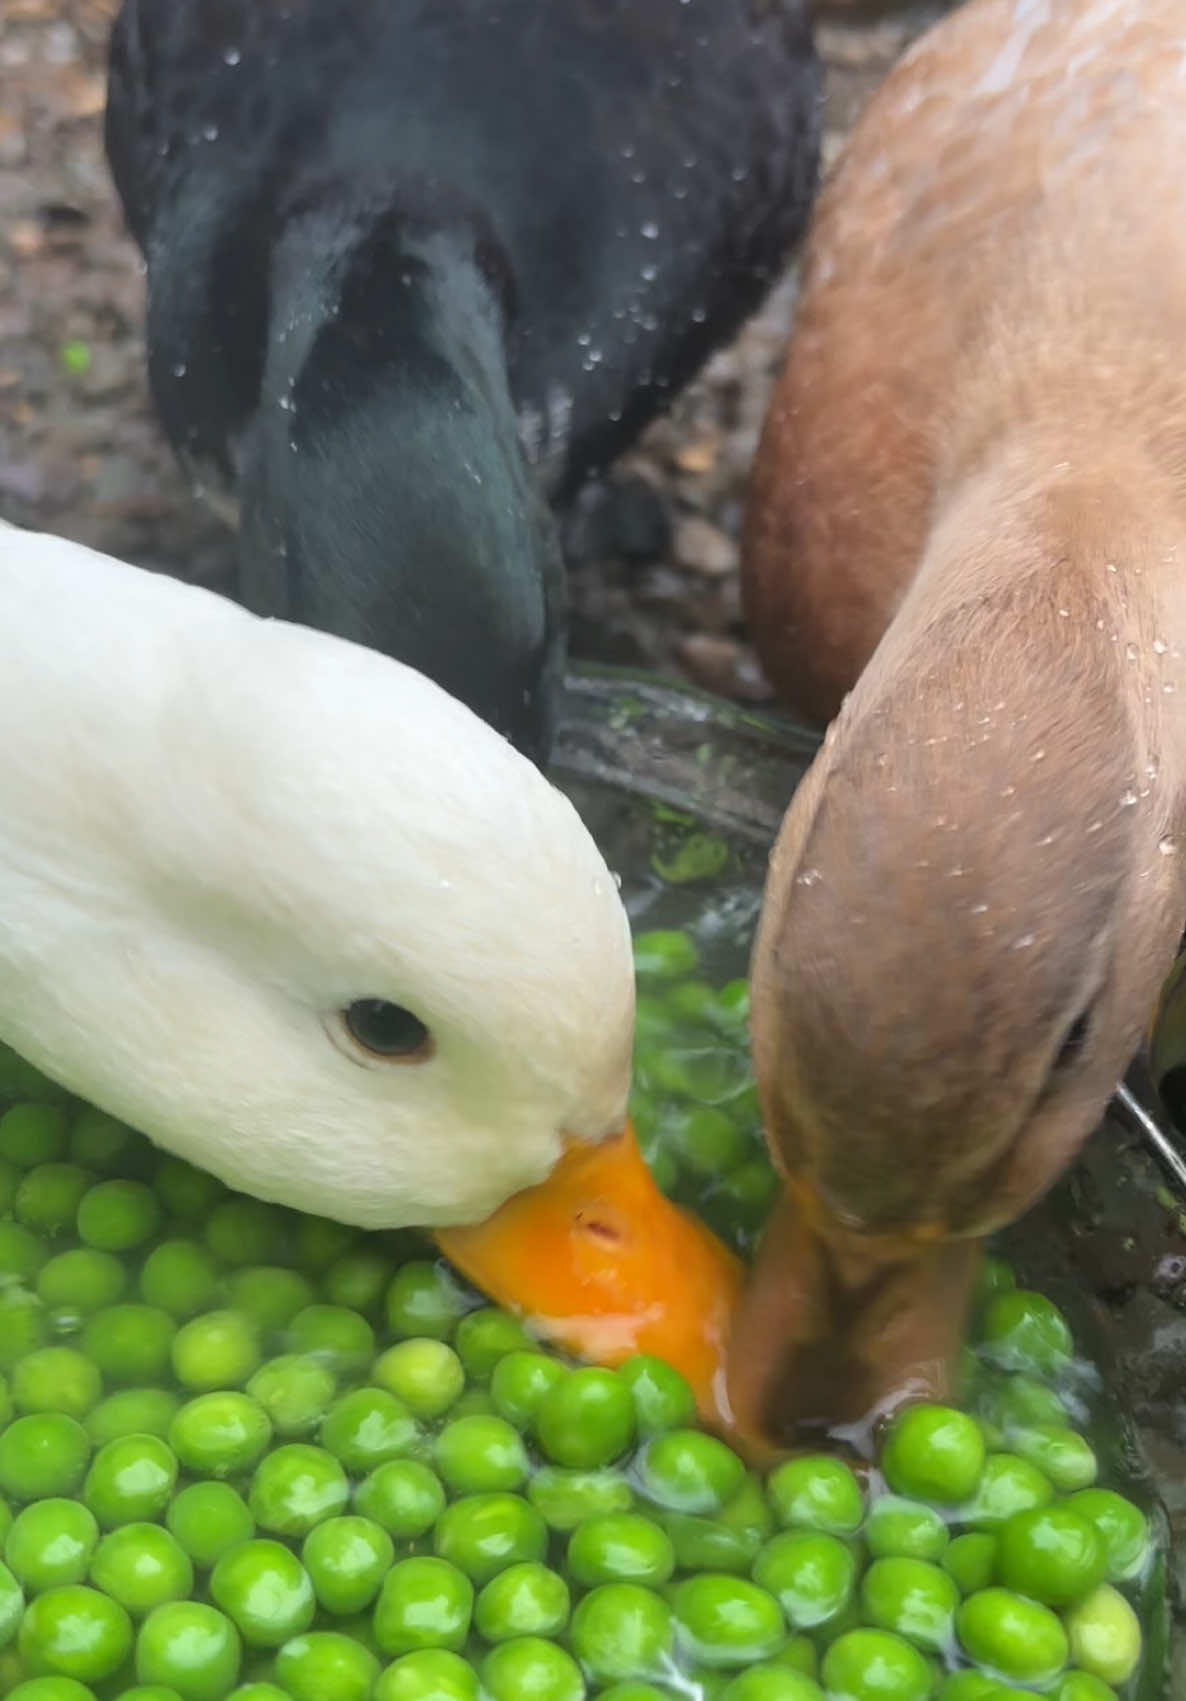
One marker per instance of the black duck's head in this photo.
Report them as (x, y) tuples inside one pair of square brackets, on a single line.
[(384, 493)]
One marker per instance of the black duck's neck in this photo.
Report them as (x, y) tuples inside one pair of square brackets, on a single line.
[(386, 497)]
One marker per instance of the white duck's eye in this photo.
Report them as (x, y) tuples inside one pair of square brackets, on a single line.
[(387, 1030)]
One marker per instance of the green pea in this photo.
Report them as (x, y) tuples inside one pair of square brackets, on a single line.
[(47, 1198), (818, 1493), (969, 1685), (874, 1665), (186, 1192), (142, 1566), (49, 1544), (688, 1471), (81, 1281), (132, 1411), (1008, 1485), (43, 1456), (320, 1242), (220, 1435), (12, 1606), (620, 1548), (933, 1453), (476, 1455), (1009, 1634), (586, 1420), (730, 1541), (218, 1349), (566, 1498), (429, 1674), (424, 1603), (269, 1295), (366, 1428), (1059, 1453), (322, 1664), (518, 1383), (75, 1632), (53, 1689), (32, 1134), (810, 1574), (130, 1480), (1082, 1686), (209, 1519), (530, 1669), (265, 1591), (484, 1337), (295, 1487), (1051, 1554), (347, 1559), (1122, 1528), (100, 1142), (426, 1375), (523, 1600), (359, 1278), (771, 1683), (971, 1561), (726, 1621), (664, 954), (179, 1277), (662, 1398), (403, 1496), (129, 1343), (21, 1253), (1105, 1635), (343, 1339), (1019, 1402), (294, 1391), (24, 1325), (905, 1529), (1023, 1331), (190, 1647), (913, 1598), (245, 1231), (484, 1533), (56, 1379), (115, 1216), (424, 1299)]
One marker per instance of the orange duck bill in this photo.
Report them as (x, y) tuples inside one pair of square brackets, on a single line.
[(837, 1327), (601, 1263)]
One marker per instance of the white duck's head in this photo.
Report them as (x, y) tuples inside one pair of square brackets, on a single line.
[(293, 911)]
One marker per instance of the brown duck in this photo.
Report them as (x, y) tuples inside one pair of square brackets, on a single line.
[(966, 548)]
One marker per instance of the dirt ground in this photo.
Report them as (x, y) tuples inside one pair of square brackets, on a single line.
[(80, 454)]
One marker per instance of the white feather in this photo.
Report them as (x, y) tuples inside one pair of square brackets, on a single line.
[(218, 831)]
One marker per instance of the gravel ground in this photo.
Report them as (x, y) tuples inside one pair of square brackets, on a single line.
[(80, 454)]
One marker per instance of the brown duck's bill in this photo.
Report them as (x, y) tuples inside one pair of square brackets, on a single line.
[(600, 1262), (836, 1328)]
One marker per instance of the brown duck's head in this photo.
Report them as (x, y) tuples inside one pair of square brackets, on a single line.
[(970, 909)]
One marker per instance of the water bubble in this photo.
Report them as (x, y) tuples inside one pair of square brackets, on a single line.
[(1038, 756), (639, 176), (584, 338), (1168, 845), (180, 370), (231, 56), (210, 132), (649, 230), (808, 877), (627, 150), (1159, 646), (1128, 798), (1130, 651), (649, 273), (1168, 688), (1024, 941), (699, 315)]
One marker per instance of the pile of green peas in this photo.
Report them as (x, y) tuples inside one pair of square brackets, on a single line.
[(250, 1454)]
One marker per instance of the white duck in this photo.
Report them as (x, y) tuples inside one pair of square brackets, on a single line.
[(290, 909)]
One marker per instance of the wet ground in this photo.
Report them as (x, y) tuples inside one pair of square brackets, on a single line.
[(80, 454)]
